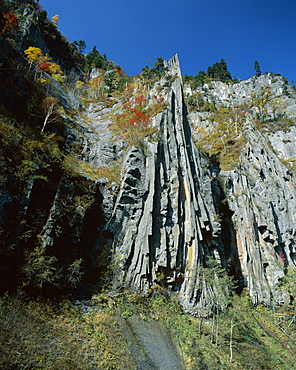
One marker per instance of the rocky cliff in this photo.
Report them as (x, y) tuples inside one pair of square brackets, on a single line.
[(176, 207)]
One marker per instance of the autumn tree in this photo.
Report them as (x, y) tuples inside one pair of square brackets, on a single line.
[(133, 124), (224, 138), (97, 85), (55, 19), (42, 63), (9, 22)]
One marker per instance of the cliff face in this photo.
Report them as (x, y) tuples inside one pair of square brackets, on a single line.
[(165, 217), (261, 194), (173, 207), (260, 190)]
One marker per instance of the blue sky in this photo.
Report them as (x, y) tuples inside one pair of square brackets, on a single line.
[(133, 32)]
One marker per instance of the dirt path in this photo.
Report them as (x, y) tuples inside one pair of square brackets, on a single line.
[(149, 344)]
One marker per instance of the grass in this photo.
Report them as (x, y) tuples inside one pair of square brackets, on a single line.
[(43, 335), (39, 334)]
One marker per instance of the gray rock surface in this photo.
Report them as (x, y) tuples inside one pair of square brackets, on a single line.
[(149, 344), (169, 216), (165, 220)]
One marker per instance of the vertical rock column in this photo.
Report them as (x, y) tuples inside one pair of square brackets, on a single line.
[(262, 195), (164, 217)]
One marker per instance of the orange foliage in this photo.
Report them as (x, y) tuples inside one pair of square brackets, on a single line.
[(44, 67), (11, 22), (133, 124)]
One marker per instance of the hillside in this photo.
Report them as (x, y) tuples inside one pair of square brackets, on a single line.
[(146, 222)]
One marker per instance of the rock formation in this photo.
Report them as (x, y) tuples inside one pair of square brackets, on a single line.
[(173, 207)]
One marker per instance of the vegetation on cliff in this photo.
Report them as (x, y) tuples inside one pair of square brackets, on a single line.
[(53, 242)]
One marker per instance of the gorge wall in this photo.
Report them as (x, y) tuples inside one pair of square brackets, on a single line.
[(172, 208), (175, 208)]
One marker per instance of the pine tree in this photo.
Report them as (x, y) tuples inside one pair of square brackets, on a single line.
[(218, 71), (257, 68)]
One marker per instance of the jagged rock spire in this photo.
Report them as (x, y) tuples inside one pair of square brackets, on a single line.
[(164, 218), (173, 66)]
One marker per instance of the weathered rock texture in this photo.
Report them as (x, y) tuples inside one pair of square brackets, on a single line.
[(261, 193), (165, 219), (261, 190), (174, 209)]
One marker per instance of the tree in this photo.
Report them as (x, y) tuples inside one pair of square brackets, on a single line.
[(257, 68), (225, 138), (218, 71), (95, 60), (43, 64), (261, 101), (49, 106), (220, 288), (159, 66), (133, 124), (111, 80), (146, 73), (9, 21), (34, 55), (55, 19), (199, 79), (80, 45)]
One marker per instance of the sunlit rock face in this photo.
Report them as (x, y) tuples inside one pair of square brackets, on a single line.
[(164, 217), (261, 193), (175, 208)]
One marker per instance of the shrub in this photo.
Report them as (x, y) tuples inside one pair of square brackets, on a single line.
[(133, 125)]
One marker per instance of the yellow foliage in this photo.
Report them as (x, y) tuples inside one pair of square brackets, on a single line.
[(43, 63), (79, 84), (55, 19), (224, 138), (54, 68), (34, 55)]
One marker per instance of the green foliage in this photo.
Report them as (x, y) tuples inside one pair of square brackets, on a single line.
[(260, 102), (95, 60), (257, 68), (222, 284), (159, 67), (155, 73), (42, 335), (197, 102), (111, 81), (199, 79), (218, 71), (40, 268), (80, 45), (248, 338), (195, 81)]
